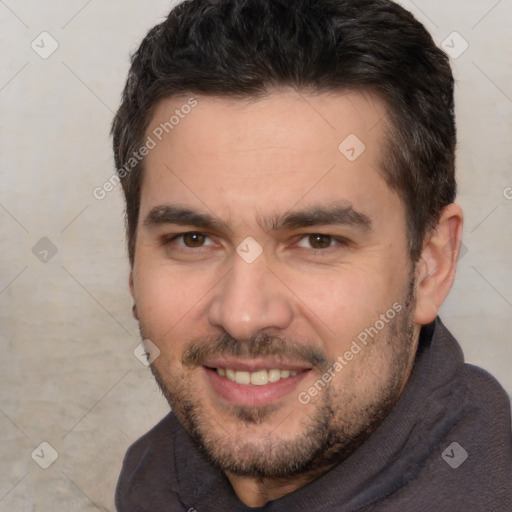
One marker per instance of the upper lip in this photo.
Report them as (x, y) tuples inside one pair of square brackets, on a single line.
[(254, 365)]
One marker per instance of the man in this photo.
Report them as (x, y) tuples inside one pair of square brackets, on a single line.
[(288, 168)]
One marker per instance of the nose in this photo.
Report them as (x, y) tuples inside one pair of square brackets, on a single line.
[(249, 299)]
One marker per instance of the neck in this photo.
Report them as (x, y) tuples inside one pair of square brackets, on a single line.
[(258, 491)]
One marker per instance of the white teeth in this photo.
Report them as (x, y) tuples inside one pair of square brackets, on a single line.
[(258, 378), (274, 375), (242, 378)]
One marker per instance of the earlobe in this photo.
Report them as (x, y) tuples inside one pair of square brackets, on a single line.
[(435, 271)]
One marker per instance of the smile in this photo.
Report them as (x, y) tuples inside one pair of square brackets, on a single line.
[(253, 384), (257, 378)]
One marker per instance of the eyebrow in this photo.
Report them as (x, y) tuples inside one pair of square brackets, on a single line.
[(169, 214), (341, 214), (315, 215)]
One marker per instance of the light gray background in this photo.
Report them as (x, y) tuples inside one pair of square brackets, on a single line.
[(68, 373)]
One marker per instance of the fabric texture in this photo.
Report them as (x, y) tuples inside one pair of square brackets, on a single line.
[(415, 461)]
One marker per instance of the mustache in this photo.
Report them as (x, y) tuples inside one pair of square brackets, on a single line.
[(260, 345)]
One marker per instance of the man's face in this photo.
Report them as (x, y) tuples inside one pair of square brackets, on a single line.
[(279, 352)]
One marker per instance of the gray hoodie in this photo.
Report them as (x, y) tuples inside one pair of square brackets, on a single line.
[(446, 446)]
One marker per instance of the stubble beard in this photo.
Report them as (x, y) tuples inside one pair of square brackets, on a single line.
[(329, 433)]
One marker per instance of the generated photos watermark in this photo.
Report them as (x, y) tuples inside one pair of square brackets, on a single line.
[(151, 143), (363, 338)]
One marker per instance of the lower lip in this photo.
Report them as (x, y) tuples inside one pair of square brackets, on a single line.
[(249, 395)]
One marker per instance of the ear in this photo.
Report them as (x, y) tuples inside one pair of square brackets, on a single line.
[(435, 271)]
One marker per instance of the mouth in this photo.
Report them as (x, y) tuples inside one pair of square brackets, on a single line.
[(257, 378), (253, 384)]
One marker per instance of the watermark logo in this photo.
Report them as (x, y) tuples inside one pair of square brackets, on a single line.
[(45, 455), (352, 147), (454, 455), (455, 45), (507, 193), (44, 250), (249, 250), (146, 352), (44, 45)]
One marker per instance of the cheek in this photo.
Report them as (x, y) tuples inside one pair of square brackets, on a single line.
[(168, 300), (344, 305)]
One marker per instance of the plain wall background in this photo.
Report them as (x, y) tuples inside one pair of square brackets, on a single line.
[(68, 373)]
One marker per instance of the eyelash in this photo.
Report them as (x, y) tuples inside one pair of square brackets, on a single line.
[(336, 239)]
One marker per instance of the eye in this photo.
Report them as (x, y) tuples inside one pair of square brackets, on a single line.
[(191, 239), (319, 241)]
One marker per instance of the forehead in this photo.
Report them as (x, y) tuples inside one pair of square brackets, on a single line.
[(285, 117), (266, 155)]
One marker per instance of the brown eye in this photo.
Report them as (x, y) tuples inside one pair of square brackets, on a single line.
[(194, 239), (317, 241)]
